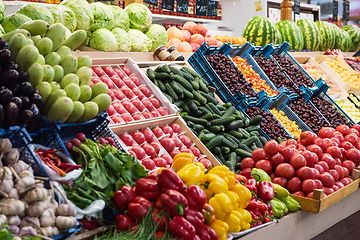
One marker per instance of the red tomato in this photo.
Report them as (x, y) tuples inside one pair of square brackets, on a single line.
[(258, 154), (329, 160), (155, 102), (327, 179), (155, 113), (339, 184), (287, 153), (110, 110), (148, 105), (145, 91), (112, 95), (195, 151), (156, 146), (128, 92), (293, 184), (277, 159), (148, 164), (136, 80), (160, 162), (163, 112), (138, 137), (176, 128), (328, 190), (128, 106), (132, 153), (346, 145), (108, 82), (127, 139), (178, 143), (311, 158), (150, 150), (308, 185), (292, 142), (167, 130), (316, 173), (174, 153), (247, 163), (280, 180), (118, 82), (305, 173), (345, 130), (149, 136), (119, 108), (319, 168), (326, 132), (93, 73), (95, 80), (118, 94), (352, 138), (334, 151), (137, 116), (264, 165), (307, 138), (337, 161), (285, 170), (299, 193), (319, 184), (356, 126), (185, 140), (126, 70), (298, 161), (339, 136), (336, 141), (117, 119), (206, 162), (340, 171), (271, 147), (348, 164), (99, 72), (168, 158), (186, 150), (157, 132), (324, 165), (138, 93), (315, 149), (335, 187), (139, 151), (119, 73), (129, 83), (147, 115), (168, 144), (137, 103)]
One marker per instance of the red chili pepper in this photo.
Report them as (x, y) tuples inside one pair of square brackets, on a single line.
[(89, 224), (181, 228), (159, 218), (51, 165), (147, 188), (195, 218), (251, 184), (247, 172), (266, 191), (195, 196), (69, 169), (51, 151), (208, 213), (174, 202), (139, 208), (207, 233), (168, 179), (253, 206), (123, 222), (123, 197)]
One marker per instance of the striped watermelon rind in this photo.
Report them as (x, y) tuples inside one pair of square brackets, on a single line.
[(327, 39), (260, 31), (278, 39), (338, 36), (311, 34), (346, 41), (291, 33), (354, 33)]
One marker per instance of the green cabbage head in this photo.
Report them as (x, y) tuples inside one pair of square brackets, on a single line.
[(103, 40), (157, 35), (83, 13), (139, 15), (37, 11), (2, 10), (121, 18), (139, 41), (122, 39), (63, 14), (14, 21), (103, 16)]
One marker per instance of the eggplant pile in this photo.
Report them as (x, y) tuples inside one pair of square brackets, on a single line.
[(20, 104)]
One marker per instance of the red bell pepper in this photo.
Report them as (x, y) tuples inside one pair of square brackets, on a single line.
[(181, 228), (196, 237), (168, 179), (207, 233), (89, 224), (123, 222), (253, 206), (196, 197), (262, 207), (208, 213), (157, 204), (159, 218), (247, 172), (174, 202), (139, 208), (147, 188), (251, 184), (241, 178), (195, 218), (266, 191), (152, 175), (123, 197)]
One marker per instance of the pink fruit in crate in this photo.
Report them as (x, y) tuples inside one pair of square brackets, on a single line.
[(160, 162), (127, 139), (197, 38), (93, 73), (95, 80), (145, 91), (168, 158), (119, 73), (112, 95), (137, 103), (150, 150), (108, 82), (167, 130), (185, 150), (127, 118), (176, 128), (138, 93), (126, 70), (149, 136), (194, 46), (148, 164), (91, 84), (137, 116), (178, 143), (129, 106), (174, 32), (110, 110), (207, 34), (163, 112), (127, 92), (147, 115), (136, 80), (99, 72), (156, 146), (186, 35), (138, 137), (175, 42), (185, 140), (155, 102), (199, 29), (118, 82), (117, 119), (129, 83), (139, 151), (108, 70), (211, 41), (119, 108), (186, 47), (118, 94), (155, 113), (148, 105), (189, 26), (157, 132)]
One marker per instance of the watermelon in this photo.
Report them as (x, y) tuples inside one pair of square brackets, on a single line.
[(291, 33), (278, 38), (346, 41), (260, 31), (354, 33), (338, 36), (327, 39), (311, 34)]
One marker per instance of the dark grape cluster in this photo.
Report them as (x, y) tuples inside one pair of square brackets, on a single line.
[(269, 124), (308, 115), (298, 77), (20, 104), (353, 63), (275, 74), (230, 75), (330, 112)]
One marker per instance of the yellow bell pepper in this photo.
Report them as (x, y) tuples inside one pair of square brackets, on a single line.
[(180, 162), (221, 204), (224, 172), (185, 155), (246, 219), (234, 221), (213, 184), (234, 199), (243, 193), (221, 228), (191, 174)]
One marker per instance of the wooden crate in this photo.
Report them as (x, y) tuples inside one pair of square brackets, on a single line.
[(172, 119), (319, 203)]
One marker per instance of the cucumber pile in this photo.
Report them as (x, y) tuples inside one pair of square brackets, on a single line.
[(225, 131)]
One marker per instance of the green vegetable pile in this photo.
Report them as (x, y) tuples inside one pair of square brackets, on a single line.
[(224, 130)]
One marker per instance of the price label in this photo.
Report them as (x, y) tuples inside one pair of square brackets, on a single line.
[(212, 8), (182, 6), (201, 7), (167, 4), (346, 7), (335, 10), (151, 2), (296, 7)]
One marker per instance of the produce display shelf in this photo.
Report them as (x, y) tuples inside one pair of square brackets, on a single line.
[(159, 17)]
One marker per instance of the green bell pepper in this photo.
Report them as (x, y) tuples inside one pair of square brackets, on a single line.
[(260, 175), (278, 207), (290, 203), (279, 191)]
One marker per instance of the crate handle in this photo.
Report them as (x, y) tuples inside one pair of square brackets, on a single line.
[(284, 47)]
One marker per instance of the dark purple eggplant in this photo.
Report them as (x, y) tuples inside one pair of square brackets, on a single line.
[(25, 118), (9, 65), (5, 55), (37, 99), (23, 77), (33, 126), (5, 96), (18, 102), (9, 77), (2, 43), (25, 101), (25, 89), (11, 114), (2, 116)]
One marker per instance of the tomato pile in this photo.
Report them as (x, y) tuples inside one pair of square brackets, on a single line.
[(321, 161), (131, 101)]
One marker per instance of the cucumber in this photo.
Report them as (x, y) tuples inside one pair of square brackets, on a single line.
[(215, 116), (196, 102), (176, 86), (160, 85), (190, 124), (194, 131), (207, 137), (253, 146), (171, 92), (217, 151), (175, 70), (235, 124), (236, 134), (185, 107), (166, 68), (232, 160), (223, 120), (215, 129), (158, 69), (225, 150), (217, 141), (206, 131), (230, 165), (232, 138), (204, 109), (179, 103), (203, 87), (229, 111), (183, 82), (172, 76), (220, 107), (237, 112), (237, 117), (209, 98), (193, 73), (263, 140), (201, 133), (162, 76), (199, 97), (245, 133), (244, 147), (255, 120), (246, 122), (249, 141), (169, 97), (187, 94), (258, 143), (254, 133), (253, 128), (188, 76), (182, 114), (230, 144), (209, 108), (191, 105), (204, 81), (212, 106), (195, 84), (207, 116), (151, 74), (242, 153), (201, 121)]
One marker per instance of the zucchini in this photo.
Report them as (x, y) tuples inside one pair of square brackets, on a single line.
[(227, 105), (215, 129), (188, 76), (255, 120), (206, 131), (237, 117), (207, 116), (151, 74), (179, 103), (198, 127), (166, 68), (190, 124), (245, 133), (196, 120), (194, 131), (258, 143), (212, 106), (235, 124), (171, 92), (187, 94), (244, 147), (220, 107), (195, 84), (191, 105), (204, 81), (175, 70), (203, 87), (225, 150), (162, 76), (199, 97), (207, 137), (242, 153), (249, 141), (185, 107), (171, 76), (253, 128), (204, 109), (209, 108), (229, 111), (209, 98), (183, 82), (217, 141), (246, 122), (201, 133), (263, 140), (188, 70), (223, 120), (183, 114), (160, 85), (169, 97), (236, 134)]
